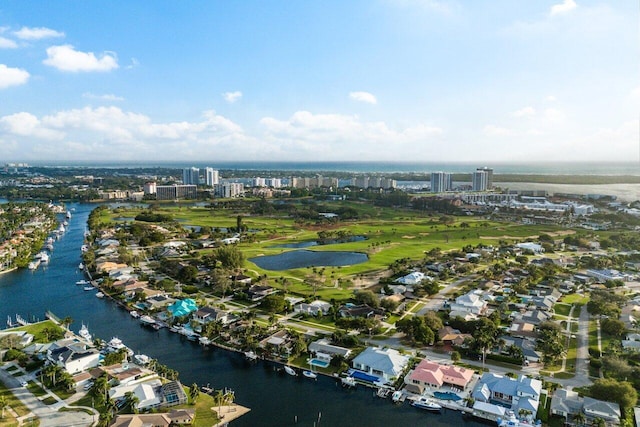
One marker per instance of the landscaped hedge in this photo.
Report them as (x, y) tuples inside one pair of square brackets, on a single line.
[(503, 358)]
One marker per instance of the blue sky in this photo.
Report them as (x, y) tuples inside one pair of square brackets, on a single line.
[(397, 80)]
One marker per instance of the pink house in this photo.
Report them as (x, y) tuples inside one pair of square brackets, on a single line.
[(435, 375)]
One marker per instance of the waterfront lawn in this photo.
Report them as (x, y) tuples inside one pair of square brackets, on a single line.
[(205, 416), (42, 331)]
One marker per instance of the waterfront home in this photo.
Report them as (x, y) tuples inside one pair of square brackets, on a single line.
[(386, 364), (567, 403), (315, 308), (129, 284), (433, 375), (107, 266), (521, 395), (205, 315), (182, 307), (122, 273), (165, 419), (324, 349), (24, 339), (159, 301), (277, 344), (74, 358), (148, 393)]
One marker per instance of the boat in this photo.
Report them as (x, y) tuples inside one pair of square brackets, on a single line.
[(84, 332), (204, 340), (43, 257), (396, 397), (147, 320), (250, 356), (65, 223), (81, 266), (84, 248), (82, 282), (141, 359), (289, 370), (61, 229), (33, 265), (100, 295), (68, 215), (88, 288), (310, 374), (134, 314), (426, 403), (348, 382), (174, 329)]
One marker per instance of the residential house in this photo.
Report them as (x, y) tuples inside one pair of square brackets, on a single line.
[(142, 420), (470, 303), (182, 307), (385, 365), (527, 346), (451, 336), (363, 310), (315, 308), (205, 315), (632, 343), (567, 403), (413, 278), (258, 292), (322, 349), (433, 375), (521, 395), (74, 358), (241, 279), (159, 301)]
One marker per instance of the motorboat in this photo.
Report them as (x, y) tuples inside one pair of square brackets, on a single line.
[(396, 397), (141, 359), (82, 282), (88, 288), (99, 295), (81, 266), (33, 265), (84, 333), (310, 374), (289, 370), (250, 356), (134, 314), (43, 257), (147, 320), (426, 403), (204, 340), (348, 382)]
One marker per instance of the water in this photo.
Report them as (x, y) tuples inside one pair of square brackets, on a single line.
[(301, 259), (275, 399)]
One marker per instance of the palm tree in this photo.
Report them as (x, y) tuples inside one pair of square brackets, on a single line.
[(3, 404), (579, 419), (67, 321), (194, 392), (105, 418), (598, 422), (132, 401)]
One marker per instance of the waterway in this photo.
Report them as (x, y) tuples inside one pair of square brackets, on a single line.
[(275, 399)]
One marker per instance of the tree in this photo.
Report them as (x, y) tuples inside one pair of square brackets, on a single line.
[(613, 327), (611, 390), (433, 321), (3, 404), (367, 297), (484, 336), (194, 392), (579, 419), (455, 356), (229, 257), (132, 401), (273, 303)]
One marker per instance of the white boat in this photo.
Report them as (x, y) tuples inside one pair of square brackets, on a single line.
[(250, 356), (82, 282), (141, 359), (100, 295), (289, 370), (81, 266), (310, 374), (204, 340), (426, 403), (116, 344), (147, 320), (33, 265), (43, 257), (84, 332), (134, 314), (65, 223), (61, 229), (68, 215), (348, 382), (88, 288), (84, 248), (396, 397)]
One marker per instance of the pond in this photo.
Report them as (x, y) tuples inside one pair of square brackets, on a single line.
[(309, 243), (301, 259)]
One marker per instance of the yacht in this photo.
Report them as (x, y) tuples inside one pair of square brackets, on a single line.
[(204, 340), (141, 359), (84, 333), (88, 288), (348, 382), (43, 257), (81, 266), (147, 320), (99, 295), (310, 374), (426, 403), (33, 265), (134, 314), (68, 215), (396, 397), (82, 282)]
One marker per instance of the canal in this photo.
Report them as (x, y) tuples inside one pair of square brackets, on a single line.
[(275, 399)]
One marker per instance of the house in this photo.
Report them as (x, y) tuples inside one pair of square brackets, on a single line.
[(182, 416), (315, 308), (324, 350), (632, 343), (159, 301), (363, 310), (469, 303), (528, 347), (277, 344), (241, 279), (433, 375), (141, 420), (148, 393), (182, 307), (451, 336), (413, 278), (257, 292), (521, 395), (384, 365), (74, 358), (567, 403), (205, 315), (530, 246)]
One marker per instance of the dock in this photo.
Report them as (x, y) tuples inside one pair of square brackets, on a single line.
[(228, 413)]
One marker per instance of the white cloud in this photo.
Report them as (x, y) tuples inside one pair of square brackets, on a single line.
[(564, 7), (336, 136), (66, 58), (551, 98), (492, 130), (26, 33), (12, 76), (105, 97), (134, 64), (524, 112), (232, 97), (363, 97), (26, 124), (6, 43)]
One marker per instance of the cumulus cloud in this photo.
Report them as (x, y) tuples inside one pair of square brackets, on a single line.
[(524, 112), (232, 97), (337, 136), (26, 33), (6, 43), (112, 133), (105, 97), (363, 97), (12, 76), (562, 8), (66, 58)]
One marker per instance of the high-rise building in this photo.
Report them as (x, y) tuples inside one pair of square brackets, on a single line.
[(211, 177), (175, 192), (480, 180), (489, 172), (150, 187), (191, 176), (441, 182), (229, 189)]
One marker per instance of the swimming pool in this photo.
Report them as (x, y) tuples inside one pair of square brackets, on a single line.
[(446, 395), (319, 362)]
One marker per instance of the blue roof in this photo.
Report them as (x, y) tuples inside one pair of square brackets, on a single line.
[(182, 307)]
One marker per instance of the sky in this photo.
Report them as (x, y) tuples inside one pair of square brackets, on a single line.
[(320, 80)]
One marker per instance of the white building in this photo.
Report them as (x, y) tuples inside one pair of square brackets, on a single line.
[(211, 177), (469, 303), (441, 182), (480, 180), (191, 176), (386, 364), (229, 189)]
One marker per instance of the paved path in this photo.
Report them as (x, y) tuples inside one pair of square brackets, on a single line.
[(48, 415), (582, 353)]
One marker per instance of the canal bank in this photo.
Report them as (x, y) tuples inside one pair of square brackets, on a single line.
[(275, 399)]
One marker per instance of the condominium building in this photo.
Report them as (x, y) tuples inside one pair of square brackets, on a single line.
[(274, 182), (150, 188), (191, 176), (489, 172), (175, 192), (480, 180), (211, 177), (229, 189), (441, 182)]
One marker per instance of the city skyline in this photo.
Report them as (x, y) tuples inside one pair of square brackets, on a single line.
[(320, 81)]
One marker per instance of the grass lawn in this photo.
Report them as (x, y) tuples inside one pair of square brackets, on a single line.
[(38, 329), (35, 389), (575, 299), (205, 416), (13, 401), (49, 400), (562, 309), (593, 337)]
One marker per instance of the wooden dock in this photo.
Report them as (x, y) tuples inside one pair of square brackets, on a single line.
[(228, 413)]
